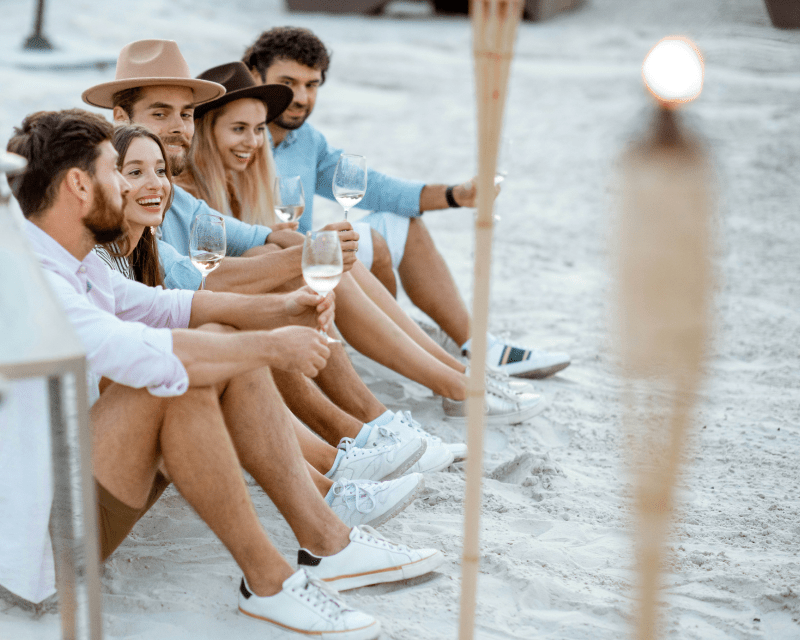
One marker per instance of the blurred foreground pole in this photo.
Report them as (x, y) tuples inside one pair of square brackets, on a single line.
[(664, 286), (38, 341), (37, 40), (494, 28)]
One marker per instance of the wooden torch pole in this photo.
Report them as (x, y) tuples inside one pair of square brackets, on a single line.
[(494, 27)]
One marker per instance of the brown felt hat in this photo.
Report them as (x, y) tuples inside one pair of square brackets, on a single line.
[(239, 84), (147, 63)]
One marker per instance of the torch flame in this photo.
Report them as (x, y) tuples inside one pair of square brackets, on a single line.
[(673, 70)]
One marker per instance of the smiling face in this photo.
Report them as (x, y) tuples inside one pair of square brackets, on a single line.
[(239, 132), (145, 169), (106, 219), (168, 111)]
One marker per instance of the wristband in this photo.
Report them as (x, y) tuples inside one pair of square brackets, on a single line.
[(451, 201)]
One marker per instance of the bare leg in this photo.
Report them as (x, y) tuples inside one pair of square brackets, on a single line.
[(340, 381), (132, 430), (430, 285), (383, 299), (373, 333), (382, 263), (322, 483), (263, 433)]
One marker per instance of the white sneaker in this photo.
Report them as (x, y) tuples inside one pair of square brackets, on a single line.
[(502, 406), (439, 455), (309, 607), (376, 463), (522, 362), (373, 503), (370, 559)]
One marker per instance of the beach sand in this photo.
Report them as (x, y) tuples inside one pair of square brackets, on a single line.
[(556, 559)]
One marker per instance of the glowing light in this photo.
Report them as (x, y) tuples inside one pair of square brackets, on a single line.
[(673, 70)]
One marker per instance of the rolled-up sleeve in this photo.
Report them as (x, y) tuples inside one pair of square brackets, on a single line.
[(179, 272), (130, 353), (384, 193)]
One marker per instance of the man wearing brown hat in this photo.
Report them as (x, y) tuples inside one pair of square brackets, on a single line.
[(164, 103)]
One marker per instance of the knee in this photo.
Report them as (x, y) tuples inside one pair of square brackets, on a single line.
[(381, 256)]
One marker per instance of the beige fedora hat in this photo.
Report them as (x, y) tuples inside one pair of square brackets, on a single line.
[(146, 63)]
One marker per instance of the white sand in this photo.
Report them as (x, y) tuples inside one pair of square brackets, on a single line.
[(556, 560)]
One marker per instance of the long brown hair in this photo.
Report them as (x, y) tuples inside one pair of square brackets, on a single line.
[(144, 258), (246, 195)]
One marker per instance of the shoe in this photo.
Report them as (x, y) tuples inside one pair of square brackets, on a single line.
[(373, 503), (503, 406), (439, 455), (369, 559), (309, 607), (522, 362), (376, 463)]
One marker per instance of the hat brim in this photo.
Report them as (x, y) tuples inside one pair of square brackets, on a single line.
[(102, 95), (276, 96)]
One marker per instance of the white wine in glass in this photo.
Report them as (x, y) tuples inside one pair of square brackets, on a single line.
[(350, 181), (207, 243), (322, 263), (290, 200)]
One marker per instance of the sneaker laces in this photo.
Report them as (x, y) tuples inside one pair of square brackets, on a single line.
[(321, 596), (348, 445), (496, 384), (368, 534), (360, 495), (407, 419)]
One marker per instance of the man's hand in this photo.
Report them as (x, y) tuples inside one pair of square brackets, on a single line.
[(466, 194), (299, 349), (307, 307), (349, 239)]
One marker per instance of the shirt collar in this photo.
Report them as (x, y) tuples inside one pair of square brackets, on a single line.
[(290, 138)]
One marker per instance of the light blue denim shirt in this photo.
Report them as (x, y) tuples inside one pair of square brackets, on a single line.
[(306, 153), (173, 246)]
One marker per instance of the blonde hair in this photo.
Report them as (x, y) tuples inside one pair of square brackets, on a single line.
[(251, 188)]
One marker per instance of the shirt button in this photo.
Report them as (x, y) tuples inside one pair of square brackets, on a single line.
[(82, 270)]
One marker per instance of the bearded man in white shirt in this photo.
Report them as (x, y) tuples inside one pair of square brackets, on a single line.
[(165, 406)]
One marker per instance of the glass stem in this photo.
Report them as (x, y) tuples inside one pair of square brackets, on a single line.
[(202, 282)]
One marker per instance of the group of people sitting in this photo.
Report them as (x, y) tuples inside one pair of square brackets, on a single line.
[(190, 386)]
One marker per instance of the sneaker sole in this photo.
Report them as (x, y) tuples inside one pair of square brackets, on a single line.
[(507, 418), (400, 506), (538, 374), (410, 461), (370, 632), (390, 574)]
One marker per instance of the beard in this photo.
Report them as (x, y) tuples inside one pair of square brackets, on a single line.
[(177, 161), (293, 124), (105, 221)]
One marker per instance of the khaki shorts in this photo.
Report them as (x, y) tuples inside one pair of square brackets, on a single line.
[(115, 519)]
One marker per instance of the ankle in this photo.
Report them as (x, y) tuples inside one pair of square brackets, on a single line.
[(329, 543), (265, 584)]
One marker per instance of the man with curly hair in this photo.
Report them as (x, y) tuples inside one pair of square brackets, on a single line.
[(394, 235)]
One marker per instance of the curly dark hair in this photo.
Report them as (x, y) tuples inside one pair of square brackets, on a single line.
[(53, 142), (287, 43)]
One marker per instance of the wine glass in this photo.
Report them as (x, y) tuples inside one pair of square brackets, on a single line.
[(290, 201), (350, 181), (207, 243), (322, 263)]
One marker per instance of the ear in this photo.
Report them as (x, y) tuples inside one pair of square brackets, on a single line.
[(120, 117), (79, 185)]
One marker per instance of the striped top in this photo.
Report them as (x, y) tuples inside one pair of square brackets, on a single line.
[(123, 265)]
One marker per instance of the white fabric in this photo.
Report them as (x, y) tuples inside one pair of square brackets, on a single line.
[(26, 492), (123, 325), (392, 227)]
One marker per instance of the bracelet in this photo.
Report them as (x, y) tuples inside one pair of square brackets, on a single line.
[(451, 201)]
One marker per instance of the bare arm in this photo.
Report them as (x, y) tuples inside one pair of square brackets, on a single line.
[(259, 272), (465, 194), (265, 311), (217, 355)]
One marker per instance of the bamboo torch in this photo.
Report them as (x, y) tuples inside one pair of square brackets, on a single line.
[(664, 287), (494, 27)]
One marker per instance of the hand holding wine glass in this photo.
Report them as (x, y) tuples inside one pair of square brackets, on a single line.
[(207, 243), (290, 201), (322, 263), (350, 181)]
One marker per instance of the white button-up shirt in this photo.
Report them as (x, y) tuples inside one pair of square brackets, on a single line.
[(124, 326)]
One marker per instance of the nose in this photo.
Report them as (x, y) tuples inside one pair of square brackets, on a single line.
[(300, 95), (124, 185), (152, 182), (176, 124), (251, 140)]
